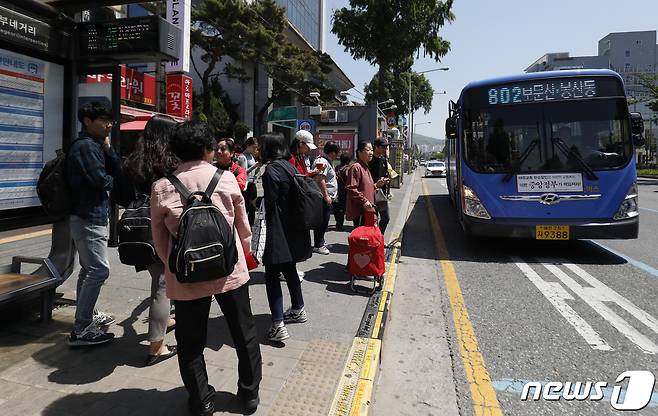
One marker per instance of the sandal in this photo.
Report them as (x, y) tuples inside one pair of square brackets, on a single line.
[(154, 359)]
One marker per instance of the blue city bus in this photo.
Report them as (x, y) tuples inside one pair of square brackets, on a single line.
[(547, 155)]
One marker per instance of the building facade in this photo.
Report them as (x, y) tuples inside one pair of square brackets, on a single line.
[(631, 54), (306, 30)]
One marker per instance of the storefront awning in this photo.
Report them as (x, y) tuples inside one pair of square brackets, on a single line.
[(131, 114), (134, 125)]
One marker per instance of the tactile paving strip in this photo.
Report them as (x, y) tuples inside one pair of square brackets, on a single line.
[(311, 386)]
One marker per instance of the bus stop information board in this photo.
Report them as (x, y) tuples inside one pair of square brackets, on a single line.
[(137, 38), (116, 36)]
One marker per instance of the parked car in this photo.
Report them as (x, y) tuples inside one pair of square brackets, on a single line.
[(435, 168)]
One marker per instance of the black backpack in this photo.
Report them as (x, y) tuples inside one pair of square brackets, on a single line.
[(134, 231), (53, 188), (204, 248), (307, 202)]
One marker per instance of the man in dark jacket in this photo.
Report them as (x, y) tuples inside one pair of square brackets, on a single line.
[(378, 168), (91, 168)]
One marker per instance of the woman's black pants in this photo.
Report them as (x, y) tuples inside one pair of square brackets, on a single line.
[(191, 333)]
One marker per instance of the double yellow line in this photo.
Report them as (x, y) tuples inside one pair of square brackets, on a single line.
[(479, 381)]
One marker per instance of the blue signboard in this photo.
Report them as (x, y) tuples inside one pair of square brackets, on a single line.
[(308, 125)]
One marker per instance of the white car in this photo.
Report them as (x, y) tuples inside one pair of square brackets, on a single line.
[(435, 168)]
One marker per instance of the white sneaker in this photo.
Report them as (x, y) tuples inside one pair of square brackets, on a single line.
[(321, 250), (292, 316), (101, 319), (277, 332), (91, 335)]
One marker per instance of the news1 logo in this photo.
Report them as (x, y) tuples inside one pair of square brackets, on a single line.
[(636, 396)]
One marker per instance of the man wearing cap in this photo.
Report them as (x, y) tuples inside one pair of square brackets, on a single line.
[(378, 167), (300, 149)]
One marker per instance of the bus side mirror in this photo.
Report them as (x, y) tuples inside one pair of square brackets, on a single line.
[(451, 128), (637, 128)]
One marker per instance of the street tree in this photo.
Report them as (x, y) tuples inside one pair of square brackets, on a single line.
[(383, 31), (233, 28), (650, 82), (397, 88), (296, 71)]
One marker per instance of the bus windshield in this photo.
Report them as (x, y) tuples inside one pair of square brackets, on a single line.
[(555, 136)]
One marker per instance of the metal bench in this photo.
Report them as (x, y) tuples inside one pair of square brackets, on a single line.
[(16, 287)]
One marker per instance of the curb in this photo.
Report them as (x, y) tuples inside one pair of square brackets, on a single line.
[(356, 385)]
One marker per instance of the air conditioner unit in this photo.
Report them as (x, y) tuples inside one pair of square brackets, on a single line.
[(314, 110), (329, 116)]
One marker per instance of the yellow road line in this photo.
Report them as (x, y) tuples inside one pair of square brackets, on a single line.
[(20, 237), (482, 391)]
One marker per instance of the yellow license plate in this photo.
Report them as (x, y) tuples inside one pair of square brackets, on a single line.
[(552, 232)]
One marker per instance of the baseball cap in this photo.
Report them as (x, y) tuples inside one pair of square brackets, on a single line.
[(381, 141), (306, 137)]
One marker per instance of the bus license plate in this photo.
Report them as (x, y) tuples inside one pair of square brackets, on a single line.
[(552, 232)]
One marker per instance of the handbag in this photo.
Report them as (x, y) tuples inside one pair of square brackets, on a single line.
[(381, 200), (259, 232)]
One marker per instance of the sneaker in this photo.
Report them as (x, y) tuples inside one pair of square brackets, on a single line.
[(292, 316), (321, 250), (91, 335), (102, 319), (277, 333)]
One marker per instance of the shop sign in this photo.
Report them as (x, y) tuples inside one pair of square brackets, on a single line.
[(179, 95), (179, 14), (308, 125), (135, 86), (23, 30), (344, 140), (391, 119)]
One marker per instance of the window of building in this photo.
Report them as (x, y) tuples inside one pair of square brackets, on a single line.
[(628, 53)]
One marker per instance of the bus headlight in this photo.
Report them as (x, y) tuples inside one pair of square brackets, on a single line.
[(473, 207), (628, 207)]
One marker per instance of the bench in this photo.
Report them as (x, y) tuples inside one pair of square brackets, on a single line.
[(15, 287)]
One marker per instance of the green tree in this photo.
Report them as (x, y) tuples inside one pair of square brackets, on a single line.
[(397, 88), (253, 32), (243, 31), (650, 82), (299, 72), (381, 32)]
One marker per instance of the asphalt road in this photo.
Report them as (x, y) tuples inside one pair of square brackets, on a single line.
[(576, 311)]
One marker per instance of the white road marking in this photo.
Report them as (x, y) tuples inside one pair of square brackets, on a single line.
[(557, 296), (597, 294)]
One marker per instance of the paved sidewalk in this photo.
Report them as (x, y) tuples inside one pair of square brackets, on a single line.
[(41, 375)]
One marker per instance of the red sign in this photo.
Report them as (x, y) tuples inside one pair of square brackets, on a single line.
[(135, 86), (345, 141), (179, 95)]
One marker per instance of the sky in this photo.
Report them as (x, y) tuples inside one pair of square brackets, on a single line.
[(491, 38)]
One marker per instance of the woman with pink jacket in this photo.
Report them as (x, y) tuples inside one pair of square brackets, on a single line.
[(195, 146)]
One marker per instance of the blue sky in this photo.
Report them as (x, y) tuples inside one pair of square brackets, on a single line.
[(501, 37)]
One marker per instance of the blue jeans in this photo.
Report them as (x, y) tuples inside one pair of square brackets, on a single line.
[(91, 242), (273, 288)]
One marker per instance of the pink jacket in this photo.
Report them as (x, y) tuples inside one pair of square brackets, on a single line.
[(166, 208)]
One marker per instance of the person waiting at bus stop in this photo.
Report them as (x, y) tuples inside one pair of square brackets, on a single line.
[(360, 186), (224, 160), (378, 167), (326, 180), (193, 143), (286, 243), (92, 166), (300, 149)]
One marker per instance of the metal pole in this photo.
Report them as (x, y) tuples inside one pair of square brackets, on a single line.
[(409, 125)]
